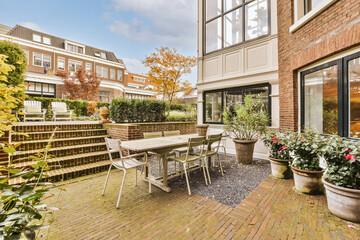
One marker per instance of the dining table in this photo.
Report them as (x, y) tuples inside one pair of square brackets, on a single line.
[(162, 146)]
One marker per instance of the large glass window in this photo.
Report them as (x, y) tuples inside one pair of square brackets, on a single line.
[(321, 100), (40, 89), (104, 96), (215, 102), (74, 65), (61, 63), (102, 71), (311, 4), (331, 97), (40, 60), (229, 22)]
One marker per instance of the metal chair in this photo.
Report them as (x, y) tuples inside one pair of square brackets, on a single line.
[(191, 157), (171, 133), (32, 111), (124, 163)]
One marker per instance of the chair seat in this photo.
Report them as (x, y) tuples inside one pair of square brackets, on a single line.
[(128, 163), (182, 158), (209, 153)]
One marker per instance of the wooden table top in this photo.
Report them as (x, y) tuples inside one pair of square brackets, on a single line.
[(152, 144)]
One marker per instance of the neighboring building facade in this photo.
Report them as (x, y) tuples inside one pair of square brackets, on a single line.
[(138, 86), (47, 53), (237, 55), (319, 65)]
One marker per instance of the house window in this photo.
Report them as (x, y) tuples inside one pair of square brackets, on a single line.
[(40, 89), (97, 53), (74, 48), (215, 101), (103, 55), (36, 38), (330, 97), (102, 71), (310, 4), (112, 74), (61, 63), (137, 79), (104, 96), (74, 65), (119, 75), (88, 66), (229, 22), (27, 56), (40, 60), (46, 40)]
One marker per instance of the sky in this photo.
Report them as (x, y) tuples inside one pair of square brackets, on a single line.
[(132, 29)]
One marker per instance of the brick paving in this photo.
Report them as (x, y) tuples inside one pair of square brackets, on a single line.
[(272, 211)]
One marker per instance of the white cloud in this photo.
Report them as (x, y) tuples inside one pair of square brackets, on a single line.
[(171, 23), (135, 66), (30, 25)]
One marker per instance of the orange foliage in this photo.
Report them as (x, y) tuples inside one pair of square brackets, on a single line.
[(82, 85), (166, 69)]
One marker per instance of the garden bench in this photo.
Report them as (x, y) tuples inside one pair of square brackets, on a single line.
[(32, 111), (60, 111)]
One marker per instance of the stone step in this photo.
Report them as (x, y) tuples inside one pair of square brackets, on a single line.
[(34, 136), (62, 142), (70, 161), (61, 126), (23, 156), (71, 172)]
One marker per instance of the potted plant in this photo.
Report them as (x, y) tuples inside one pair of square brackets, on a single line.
[(342, 177), (202, 129), (306, 148), (246, 122), (279, 154)]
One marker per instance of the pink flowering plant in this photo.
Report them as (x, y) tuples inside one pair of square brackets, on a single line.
[(343, 162), (277, 144), (306, 148)]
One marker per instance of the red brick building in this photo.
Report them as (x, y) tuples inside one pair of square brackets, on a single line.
[(139, 86), (48, 54), (319, 65)]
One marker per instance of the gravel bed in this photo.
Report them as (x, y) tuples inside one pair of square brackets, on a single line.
[(238, 180)]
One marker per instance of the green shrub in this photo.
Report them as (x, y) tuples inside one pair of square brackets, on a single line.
[(102, 104), (177, 116), (135, 110)]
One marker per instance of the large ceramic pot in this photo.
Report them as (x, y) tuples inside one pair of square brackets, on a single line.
[(343, 202), (308, 182), (280, 168), (202, 129), (244, 150)]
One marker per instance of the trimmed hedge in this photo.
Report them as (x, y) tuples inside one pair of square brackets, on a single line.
[(178, 116), (79, 106), (136, 110)]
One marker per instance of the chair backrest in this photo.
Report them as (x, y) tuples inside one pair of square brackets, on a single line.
[(32, 106), (152, 135), (211, 139), (113, 146), (171, 133), (59, 106), (195, 142)]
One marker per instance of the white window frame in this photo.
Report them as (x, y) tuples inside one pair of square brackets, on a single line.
[(112, 74), (42, 59), (36, 37), (102, 71), (103, 55), (45, 40), (74, 44), (139, 79), (77, 64), (58, 60), (299, 13), (97, 53), (119, 75), (88, 67)]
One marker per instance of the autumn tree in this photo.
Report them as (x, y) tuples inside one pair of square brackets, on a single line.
[(81, 85), (167, 66)]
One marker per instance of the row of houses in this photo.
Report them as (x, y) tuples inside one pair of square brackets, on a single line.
[(48, 54), (302, 55)]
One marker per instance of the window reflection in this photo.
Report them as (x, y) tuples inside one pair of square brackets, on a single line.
[(256, 19), (321, 100), (213, 107), (354, 82)]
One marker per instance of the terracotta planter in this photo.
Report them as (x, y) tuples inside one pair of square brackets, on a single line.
[(244, 150), (343, 202), (104, 113), (308, 182), (280, 168), (202, 129)]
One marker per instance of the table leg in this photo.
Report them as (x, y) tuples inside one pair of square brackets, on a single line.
[(209, 161), (164, 157)]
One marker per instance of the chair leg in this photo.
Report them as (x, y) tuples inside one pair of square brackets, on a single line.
[(207, 170), (203, 168), (121, 188), (149, 176), (106, 180), (187, 179), (226, 159), (221, 168), (135, 177)]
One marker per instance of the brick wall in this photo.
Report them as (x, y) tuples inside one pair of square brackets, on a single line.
[(127, 132), (334, 30)]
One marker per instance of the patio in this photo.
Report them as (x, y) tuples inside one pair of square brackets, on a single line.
[(272, 211)]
